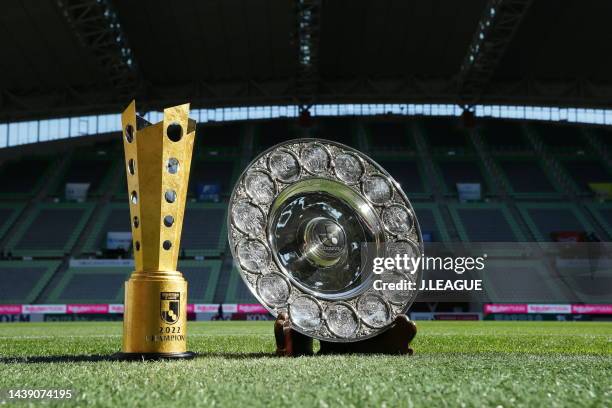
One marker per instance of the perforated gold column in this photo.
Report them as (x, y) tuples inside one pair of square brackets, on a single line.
[(157, 161)]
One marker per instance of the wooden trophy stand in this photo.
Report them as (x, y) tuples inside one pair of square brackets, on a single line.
[(395, 340)]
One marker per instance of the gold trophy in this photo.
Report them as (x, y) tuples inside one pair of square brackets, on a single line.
[(157, 160)]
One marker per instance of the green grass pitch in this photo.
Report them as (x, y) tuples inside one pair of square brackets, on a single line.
[(455, 364)]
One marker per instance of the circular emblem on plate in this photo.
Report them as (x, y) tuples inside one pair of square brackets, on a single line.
[(305, 221)]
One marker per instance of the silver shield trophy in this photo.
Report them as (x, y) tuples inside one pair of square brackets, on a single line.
[(306, 219)]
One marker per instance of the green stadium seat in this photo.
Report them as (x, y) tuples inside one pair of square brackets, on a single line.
[(603, 214), (485, 222), (224, 139), (204, 229), (446, 135), (94, 170), (560, 138), (105, 284), (9, 212), (430, 220), (212, 171), (409, 173), (527, 177), (274, 132), (389, 136), (114, 217), (22, 281), (51, 230), (583, 172), (24, 177), (546, 218), (461, 171), (337, 130)]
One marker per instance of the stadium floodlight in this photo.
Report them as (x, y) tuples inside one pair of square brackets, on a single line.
[(157, 159), (299, 219)]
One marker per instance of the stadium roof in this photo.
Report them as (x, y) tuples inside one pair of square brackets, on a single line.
[(69, 57)]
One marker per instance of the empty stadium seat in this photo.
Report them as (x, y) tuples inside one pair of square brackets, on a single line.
[(226, 137), (603, 213), (23, 177), (51, 230), (445, 135), (8, 215), (85, 170), (484, 223), (407, 172), (202, 278), (583, 172), (388, 136), (456, 171), (237, 291), (105, 284), (116, 218), (527, 177), (212, 171), (430, 221), (337, 130), (22, 281), (560, 138), (93, 287), (522, 281), (274, 132), (204, 229), (546, 218)]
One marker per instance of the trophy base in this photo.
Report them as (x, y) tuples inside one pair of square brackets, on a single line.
[(395, 340), (186, 355)]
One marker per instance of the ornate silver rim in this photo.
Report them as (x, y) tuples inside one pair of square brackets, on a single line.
[(369, 169)]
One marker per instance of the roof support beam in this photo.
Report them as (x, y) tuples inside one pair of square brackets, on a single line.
[(96, 25), (37, 103), (495, 30), (308, 30)]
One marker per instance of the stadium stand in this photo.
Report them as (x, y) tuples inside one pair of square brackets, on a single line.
[(218, 139), (90, 285), (408, 172), (115, 217), (51, 230), (485, 222), (105, 284), (337, 130), (446, 136), (544, 219), (8, 215), (585, 171), (237, 291), (560, 138), (212, 170), (431, 221), (94, 170), (272, 133), (504, 136), (603, 214), (204, 229), (461, 170), (526, 177), (388, 137), (22, 178), (522, 281), (27, 279)]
